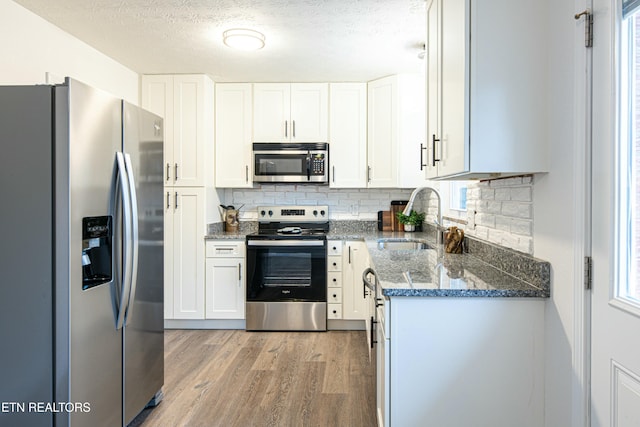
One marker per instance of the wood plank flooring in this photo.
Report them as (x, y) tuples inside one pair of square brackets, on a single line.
[(238, 378)]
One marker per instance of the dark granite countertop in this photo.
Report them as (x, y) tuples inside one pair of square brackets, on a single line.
[(433, 273), (485, 270)]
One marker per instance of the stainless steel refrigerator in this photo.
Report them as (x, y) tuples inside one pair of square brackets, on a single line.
[(81, 257)]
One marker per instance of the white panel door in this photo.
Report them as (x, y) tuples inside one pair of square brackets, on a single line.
[(348, 135), (188, 252), (309, 112), (233, 135), (225, 288), (615, 348), (271, 112)]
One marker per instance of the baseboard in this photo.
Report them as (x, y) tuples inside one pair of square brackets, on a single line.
[(204, 324)]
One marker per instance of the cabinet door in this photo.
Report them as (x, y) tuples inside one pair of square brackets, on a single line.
[(348, 135), (193, 124), (382, 137), (309, 112), (354, 299), (169, 289), (233, 135), (157, 97), (411, 130), (432, 86), (454, 138), (271, 112), (225, 288), (187, 209)]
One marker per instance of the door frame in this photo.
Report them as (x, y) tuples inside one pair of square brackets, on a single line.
[(581, 356)]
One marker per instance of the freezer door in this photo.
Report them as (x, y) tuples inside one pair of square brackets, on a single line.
[(144, 324), (26, 291), (92, 121)]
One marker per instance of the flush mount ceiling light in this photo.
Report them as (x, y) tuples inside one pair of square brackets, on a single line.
[(243, 39)]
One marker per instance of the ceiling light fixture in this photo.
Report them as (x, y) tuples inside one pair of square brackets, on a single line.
[(243, 39)]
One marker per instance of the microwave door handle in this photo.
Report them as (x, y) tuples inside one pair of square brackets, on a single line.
[(308, 165)]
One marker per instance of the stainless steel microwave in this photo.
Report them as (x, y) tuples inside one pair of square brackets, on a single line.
[(300, 163)]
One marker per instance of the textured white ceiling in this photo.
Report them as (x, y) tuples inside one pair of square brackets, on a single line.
[(306, 40)]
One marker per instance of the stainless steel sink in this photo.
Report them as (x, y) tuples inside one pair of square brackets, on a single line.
[(403, 245)]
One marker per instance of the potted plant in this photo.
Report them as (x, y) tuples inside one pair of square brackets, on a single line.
[(410, 221)]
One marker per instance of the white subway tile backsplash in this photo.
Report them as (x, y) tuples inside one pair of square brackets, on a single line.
[(502, 208), (517, 209), (522, 194), (503, 212)]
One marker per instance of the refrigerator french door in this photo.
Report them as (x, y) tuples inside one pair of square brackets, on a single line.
[(81, 308)]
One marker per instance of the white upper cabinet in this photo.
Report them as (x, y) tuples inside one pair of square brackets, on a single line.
[(395, 131), (233, 135), (411, 130), (186, 104), (485, 108), (290, 112), (348, 135), (382, 136)]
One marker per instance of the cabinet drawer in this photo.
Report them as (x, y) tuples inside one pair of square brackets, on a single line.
[(224, 248), (334, 295), (334, 263), (334, 311), (334, 279), (334, 247)]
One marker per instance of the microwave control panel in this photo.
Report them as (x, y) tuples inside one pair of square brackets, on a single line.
[(317, 164)]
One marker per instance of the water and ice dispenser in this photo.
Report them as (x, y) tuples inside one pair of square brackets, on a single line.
[(97, 237)]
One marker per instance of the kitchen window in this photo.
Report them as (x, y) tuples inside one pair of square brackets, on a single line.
[(628, 161), (458, 200)]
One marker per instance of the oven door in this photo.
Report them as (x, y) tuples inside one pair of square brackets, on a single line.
[(289, 165), (286, 270)]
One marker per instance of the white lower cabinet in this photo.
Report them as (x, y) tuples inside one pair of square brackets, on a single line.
[(225, 280), (354, 296), (184, 252), (460, 362), (334, 279)]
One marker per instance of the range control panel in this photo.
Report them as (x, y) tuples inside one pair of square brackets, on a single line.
[(293, 213)]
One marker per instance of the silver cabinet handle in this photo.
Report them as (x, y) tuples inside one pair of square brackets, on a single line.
[(168, 200), (286, 126), (168, 167), (176, 200), (294, 128), (239, 274), (246, 173), (368, 173), (333, 174), (422, 163), (175, 174)]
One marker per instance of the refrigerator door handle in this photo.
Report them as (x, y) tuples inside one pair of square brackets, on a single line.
[(133, 273), (123, 180)]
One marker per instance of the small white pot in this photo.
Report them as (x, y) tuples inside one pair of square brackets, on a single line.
[(409, 227)]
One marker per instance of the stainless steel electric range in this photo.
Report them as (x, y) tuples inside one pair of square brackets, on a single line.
[(287, 269)]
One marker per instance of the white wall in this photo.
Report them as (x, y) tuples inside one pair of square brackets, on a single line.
[(30, 47), (555, 213)]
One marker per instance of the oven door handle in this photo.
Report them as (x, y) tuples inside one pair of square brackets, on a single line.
[(285, 242)]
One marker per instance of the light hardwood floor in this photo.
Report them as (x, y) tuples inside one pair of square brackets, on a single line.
[(238, 378)]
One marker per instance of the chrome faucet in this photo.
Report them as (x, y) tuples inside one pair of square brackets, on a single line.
[(409, 207)]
